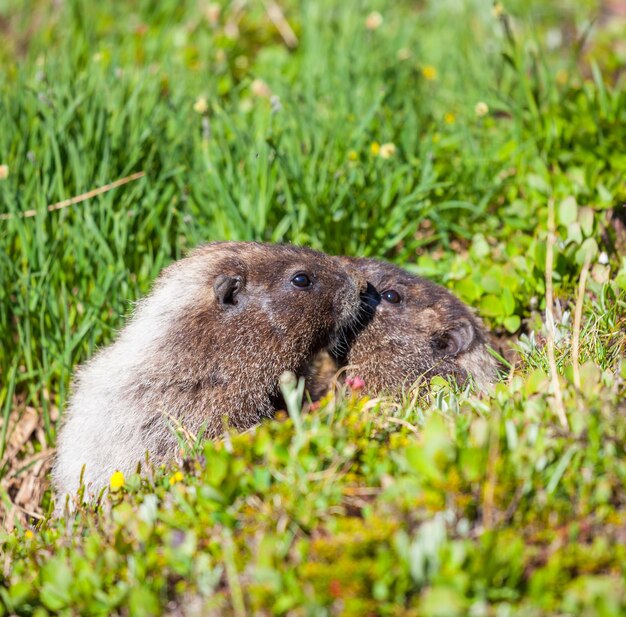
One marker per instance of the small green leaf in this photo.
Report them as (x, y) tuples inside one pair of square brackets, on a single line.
[(540, 255), (491, 284), (442, 602), (508, 302), (491, 306), (57, 579), (480, 246), (605, 195), (143, 602), (589, 248), (535, 382), (574, 233), (585, 218), (536, 182), (512, 323), (590, 378), (568, 211), (468, 290)]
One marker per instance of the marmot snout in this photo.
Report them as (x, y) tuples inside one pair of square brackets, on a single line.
[(415, 330), (209, 343)]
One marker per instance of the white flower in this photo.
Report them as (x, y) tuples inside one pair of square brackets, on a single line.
[(387, 151), (259, 88), (481, 109), (275, 103), (373, 21), (201, 105), (212, 13)]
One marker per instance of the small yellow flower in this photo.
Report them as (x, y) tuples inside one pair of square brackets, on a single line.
[(561, 77), (387, 151), (352, 155), (29, 534), (201, 105), (449, 118), (429, 73), (375, 148), (374, 20), (117, 481), (259, 88), (177, 477), (497, 10), (4, 172), (436, 138), (481, 109)]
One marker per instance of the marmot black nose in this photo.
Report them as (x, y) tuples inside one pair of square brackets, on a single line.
[(370, 297)]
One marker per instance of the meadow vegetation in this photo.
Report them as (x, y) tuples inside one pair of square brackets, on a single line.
[(479, 145)]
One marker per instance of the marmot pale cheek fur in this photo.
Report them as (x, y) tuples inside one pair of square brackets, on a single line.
[(414, 330), (211, 340)]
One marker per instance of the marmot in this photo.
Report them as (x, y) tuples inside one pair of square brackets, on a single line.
[(412, 329), (210, 341)]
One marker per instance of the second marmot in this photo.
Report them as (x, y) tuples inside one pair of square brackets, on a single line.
[(412, 330)]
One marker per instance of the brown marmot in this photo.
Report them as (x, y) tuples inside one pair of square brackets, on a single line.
[(412, 330), (209, 342)]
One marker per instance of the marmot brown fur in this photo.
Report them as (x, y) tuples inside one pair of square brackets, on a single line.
[(210, 341), (414, 330)]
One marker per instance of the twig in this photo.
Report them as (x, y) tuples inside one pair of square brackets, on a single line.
[(556, 386), (578, 314), (489, 489), (362, 491), (275, 13), (334, 384), (512, 371), (232, 576), (39, 517), (179, 426), (405, 423), (79, 198), (512, 507)]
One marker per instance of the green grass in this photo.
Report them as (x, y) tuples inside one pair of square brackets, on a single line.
[(467, 509), (488, 507)]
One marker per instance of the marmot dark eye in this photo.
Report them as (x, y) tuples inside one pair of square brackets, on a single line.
[(301, 281), (392, 296)]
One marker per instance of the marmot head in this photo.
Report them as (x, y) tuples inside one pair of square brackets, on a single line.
[(416, 330), (283, 295), (233, 316)]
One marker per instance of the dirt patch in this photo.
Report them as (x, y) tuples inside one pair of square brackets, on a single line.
[(24, 467)]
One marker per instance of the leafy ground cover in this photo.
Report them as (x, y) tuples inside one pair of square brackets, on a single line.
[(480, 145)]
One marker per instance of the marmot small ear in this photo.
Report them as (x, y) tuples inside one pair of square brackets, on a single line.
[(456, 340), (227, 289)]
